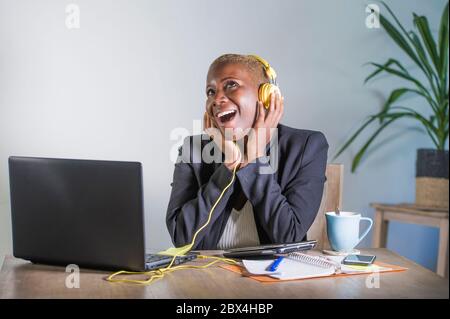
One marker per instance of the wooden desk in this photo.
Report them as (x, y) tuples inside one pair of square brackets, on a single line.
[(410, 213), (21, 279)]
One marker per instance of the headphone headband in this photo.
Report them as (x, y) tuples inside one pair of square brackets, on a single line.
[(270, 72)]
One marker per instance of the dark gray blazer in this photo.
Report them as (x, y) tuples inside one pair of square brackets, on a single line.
[(285, 203)]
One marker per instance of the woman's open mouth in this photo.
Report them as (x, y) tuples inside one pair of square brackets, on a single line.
[(226, 116)]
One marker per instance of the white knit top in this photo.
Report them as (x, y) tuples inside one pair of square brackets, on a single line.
[(240, 230)]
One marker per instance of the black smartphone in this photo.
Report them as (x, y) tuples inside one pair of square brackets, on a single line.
[(361, 260)]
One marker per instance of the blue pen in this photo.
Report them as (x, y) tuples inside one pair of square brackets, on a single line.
[(275, 264)]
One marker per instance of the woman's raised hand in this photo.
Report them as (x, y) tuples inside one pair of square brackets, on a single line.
[(232, 152), (264, 127)]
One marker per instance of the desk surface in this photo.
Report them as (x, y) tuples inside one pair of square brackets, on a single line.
[(21, 279)]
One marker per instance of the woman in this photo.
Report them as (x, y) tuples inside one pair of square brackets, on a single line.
[(261, 206)]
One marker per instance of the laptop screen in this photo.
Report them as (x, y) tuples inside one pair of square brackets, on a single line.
[(84, 212)]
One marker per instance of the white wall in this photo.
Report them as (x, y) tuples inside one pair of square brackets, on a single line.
[(115, 88)]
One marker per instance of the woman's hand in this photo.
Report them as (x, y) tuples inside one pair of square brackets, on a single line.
[(228, 147), (265, 125)]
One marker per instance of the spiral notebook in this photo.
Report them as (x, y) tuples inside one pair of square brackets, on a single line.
[(294, 266), (301, 266)]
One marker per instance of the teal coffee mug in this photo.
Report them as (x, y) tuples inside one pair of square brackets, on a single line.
[(343, 230)]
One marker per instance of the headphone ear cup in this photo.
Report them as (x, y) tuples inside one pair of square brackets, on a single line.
[(264, 92)]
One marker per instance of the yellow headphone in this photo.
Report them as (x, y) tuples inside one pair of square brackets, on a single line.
[(266, 89)]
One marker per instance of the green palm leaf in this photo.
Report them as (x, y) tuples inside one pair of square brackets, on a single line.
[(395, 95), (432, 75), (421, 23), (404, 76), (443, 46), (361, 152), (355, 135), (401, 40), (387, 64)]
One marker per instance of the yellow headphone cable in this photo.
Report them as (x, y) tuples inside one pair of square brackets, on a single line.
[(159, 273)]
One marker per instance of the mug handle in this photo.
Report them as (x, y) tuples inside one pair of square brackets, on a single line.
[(367, 230)]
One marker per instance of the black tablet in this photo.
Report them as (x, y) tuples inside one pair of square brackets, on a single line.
[(268, 250)]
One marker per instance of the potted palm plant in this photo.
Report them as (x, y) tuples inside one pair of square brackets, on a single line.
[(431, 58)]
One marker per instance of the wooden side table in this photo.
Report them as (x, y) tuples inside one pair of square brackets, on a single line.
[(410, 213)]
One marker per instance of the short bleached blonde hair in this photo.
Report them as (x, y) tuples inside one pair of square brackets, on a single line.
[(251, 63)]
